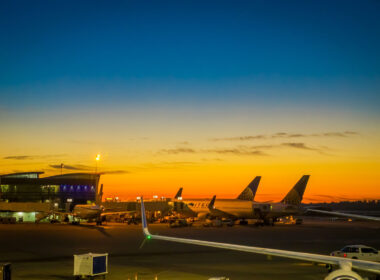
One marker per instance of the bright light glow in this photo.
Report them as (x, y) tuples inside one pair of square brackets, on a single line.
[(149, 237), (56, 204), (97, 157), (69, 200), (19, 213), (138, 198), (180, 198), (155, 196)]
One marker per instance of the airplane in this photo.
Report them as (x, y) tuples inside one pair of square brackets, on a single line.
[(95, 211), (348, 215), (200, 207), (345, 266), (269, 212)]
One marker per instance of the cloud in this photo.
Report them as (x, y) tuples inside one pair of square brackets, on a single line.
[(115, 172), (300, 146), (163, 165), (287, 135), (240, 138), (339, 134), (19, 157), (31, 157), (238, 151), (178, 151), (80, 167)]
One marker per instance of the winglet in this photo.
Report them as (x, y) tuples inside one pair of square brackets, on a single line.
[(179, 193), (143, 220), (250, 191), (212, 202)]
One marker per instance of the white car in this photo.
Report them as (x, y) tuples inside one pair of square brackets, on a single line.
[(360, 252)]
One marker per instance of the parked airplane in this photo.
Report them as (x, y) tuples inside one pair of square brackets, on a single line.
[(269, 212), (345, 266), (95, 211), (348, 215), (200, 207)]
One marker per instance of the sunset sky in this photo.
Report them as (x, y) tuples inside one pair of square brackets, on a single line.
[(203, 95)]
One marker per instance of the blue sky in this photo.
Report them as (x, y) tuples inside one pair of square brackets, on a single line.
[(141, 81), (306, 52)]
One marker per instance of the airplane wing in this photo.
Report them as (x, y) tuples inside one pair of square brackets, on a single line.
[(348, 215), (336, 261)]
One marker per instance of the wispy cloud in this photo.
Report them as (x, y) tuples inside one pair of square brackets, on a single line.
[(163, 165), (301, 146), (116, 172), (31, 157), (238, 151), (79, 167), (245, 150), (19, 157), (287, 135), (178, 151), (241, 138)]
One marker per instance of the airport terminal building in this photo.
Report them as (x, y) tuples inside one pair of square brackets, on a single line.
[(62, 192)]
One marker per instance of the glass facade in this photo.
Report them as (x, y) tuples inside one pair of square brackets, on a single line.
[(77, 188)]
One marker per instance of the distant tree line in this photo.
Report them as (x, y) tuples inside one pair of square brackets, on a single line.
[(360, 205)]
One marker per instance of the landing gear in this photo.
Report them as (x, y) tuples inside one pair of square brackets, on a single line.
[(269, 222)]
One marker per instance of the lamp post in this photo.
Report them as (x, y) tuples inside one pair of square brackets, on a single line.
[(97, 159)]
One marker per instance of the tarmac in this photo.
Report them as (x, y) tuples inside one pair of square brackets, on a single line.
[(45, 251)]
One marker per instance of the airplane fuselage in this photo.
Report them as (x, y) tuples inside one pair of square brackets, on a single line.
[(223, 208), (87, 212)]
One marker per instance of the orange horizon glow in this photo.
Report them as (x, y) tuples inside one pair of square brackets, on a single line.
[(201, 157)]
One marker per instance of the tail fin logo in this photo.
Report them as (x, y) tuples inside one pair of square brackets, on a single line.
[(250, 191), (295, 195)]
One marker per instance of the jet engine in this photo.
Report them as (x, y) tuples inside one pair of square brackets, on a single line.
[(344, 273)]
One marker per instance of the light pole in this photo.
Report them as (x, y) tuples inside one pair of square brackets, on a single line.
[(97, 159)]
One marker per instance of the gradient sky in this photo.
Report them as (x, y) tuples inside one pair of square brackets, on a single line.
[(199, 94)]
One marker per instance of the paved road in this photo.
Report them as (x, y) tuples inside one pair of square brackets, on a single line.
[(46, 251)]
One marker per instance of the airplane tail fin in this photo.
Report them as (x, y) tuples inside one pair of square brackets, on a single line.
[(99, 196), (143, 220), (250, 191), (295, 195), (212, 202), (179, 193)]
